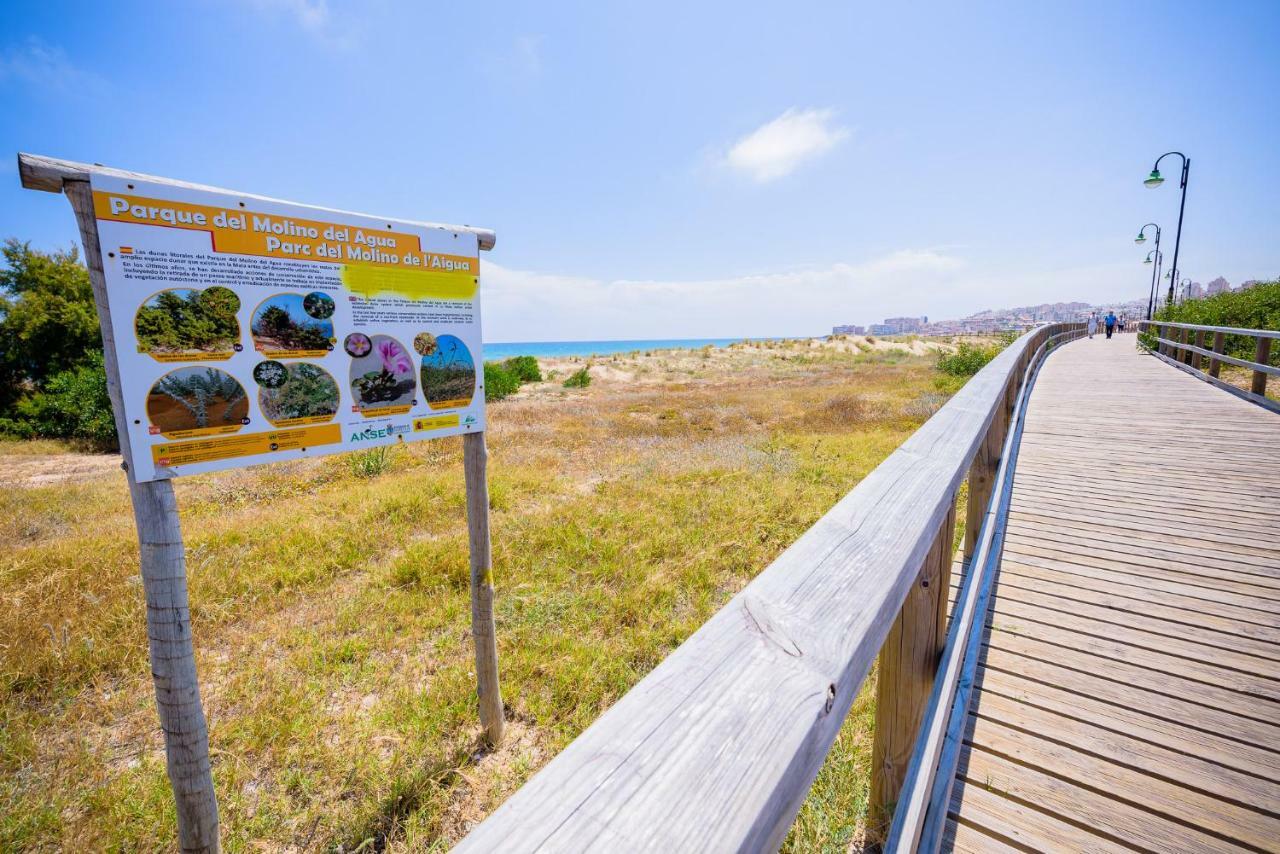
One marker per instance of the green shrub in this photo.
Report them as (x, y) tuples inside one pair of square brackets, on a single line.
[(1256, 308), (371, 462), (73, 404), (48, 323), (580, 378), (499, 382), (524, 367), (967, 360)]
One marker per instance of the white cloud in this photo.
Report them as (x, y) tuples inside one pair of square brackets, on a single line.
[(312, 17), (775, 149), (521, 305), (46, 67)]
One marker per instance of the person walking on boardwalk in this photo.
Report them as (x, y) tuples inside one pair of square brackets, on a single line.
[(1111, 323), (1093, 324)]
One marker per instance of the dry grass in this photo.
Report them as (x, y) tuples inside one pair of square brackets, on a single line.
[(330, 608)]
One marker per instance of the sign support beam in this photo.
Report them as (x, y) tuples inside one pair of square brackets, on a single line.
[(164, 583), (475, 457)]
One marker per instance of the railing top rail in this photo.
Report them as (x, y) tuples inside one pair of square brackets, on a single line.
[(48, 173), (1229, 330), (718, 745)]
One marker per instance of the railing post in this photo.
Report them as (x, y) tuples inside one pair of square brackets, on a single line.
[(1161, 347), (1260, 355), (1195, 357), (908, 663), (982, 476), (1214, 365)]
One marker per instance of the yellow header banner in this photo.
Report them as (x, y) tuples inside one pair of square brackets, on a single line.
[(245, 232)]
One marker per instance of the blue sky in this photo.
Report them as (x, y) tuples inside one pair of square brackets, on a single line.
[(677, 169)]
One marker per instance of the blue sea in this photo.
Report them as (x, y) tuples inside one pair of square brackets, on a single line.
[(496, 352)]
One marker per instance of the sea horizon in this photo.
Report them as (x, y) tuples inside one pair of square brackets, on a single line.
[(499, 350)]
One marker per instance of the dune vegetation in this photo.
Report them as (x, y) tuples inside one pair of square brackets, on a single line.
[(330, 604)]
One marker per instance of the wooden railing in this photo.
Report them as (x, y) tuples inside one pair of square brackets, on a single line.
[(924, 799), (1183, 345), (717, 747)]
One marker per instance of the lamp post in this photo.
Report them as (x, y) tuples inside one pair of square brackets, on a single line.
[(1155, 276), (1155, 273), (1155, 180)]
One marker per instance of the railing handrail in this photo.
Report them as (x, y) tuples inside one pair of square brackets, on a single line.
[(1186, 356), (920, 816), (1227, 330), (716, 748)]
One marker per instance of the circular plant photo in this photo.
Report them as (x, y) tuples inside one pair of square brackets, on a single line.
[(308, 392), (448, 374), (270, 374), (280, 324), (188, 322), (196, 399), (318, 305), (357, 344), (424, 343), (384, 376)]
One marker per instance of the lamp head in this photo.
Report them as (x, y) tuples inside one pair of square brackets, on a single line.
[(1141, 238), (1154, 179), (1148, 261)]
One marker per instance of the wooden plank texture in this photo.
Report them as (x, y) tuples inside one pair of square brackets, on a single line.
[(1129, 690), (716, 748)]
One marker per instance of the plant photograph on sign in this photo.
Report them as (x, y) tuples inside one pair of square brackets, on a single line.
[(282, 324), (318, 305), (384, 376), (357, 344), (448, 372), (196, 399), (307, 391), (188, 321)]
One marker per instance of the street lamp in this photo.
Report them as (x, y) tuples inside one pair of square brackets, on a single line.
[(1155, 180), (1140, 239), (1155, 276)]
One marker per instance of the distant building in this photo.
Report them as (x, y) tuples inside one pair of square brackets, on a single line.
[(1218, 286), (849, 329), (1196, 291), (902, 325), (881, 329), (1249, 283)]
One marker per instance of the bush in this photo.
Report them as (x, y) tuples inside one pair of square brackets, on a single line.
[(370, 462), (499, 382), (1256, 308), (524, 367), (72, 404), (48, 323), (580, 378), (967, 360)]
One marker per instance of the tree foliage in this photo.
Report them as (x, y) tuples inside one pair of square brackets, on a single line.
[(189, 320), (48, 323), (52, 382)]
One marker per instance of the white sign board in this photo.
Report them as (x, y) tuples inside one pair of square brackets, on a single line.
[(250, 331)]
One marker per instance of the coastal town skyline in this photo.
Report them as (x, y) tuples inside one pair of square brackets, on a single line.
[(1021, 317)]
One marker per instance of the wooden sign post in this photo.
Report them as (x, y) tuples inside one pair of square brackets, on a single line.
[(161, 552)]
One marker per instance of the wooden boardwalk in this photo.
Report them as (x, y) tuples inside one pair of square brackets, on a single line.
[(1129, 687)]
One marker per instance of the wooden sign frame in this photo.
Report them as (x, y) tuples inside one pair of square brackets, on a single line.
[(162, 556)]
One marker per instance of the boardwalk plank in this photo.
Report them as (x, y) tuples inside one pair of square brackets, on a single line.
[(1128, 690)]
